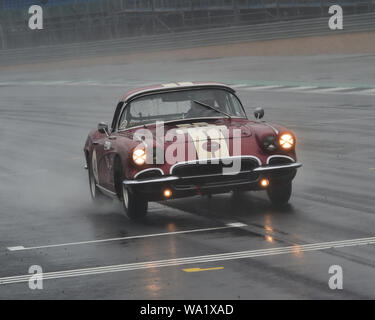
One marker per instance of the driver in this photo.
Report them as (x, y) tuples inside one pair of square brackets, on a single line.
[(197, 111)]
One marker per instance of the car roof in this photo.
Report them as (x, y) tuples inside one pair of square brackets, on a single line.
[(173, 86)]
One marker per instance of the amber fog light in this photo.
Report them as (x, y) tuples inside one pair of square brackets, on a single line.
[(167, 193), (264, 183)]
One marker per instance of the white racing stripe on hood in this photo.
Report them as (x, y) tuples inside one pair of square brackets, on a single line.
[(200, 132)]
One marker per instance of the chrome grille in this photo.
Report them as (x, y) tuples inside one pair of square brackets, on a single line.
[(201, 169)]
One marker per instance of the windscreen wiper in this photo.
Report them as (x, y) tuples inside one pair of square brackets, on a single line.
[(212, 108)]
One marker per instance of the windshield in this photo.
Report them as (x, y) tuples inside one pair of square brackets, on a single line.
[(186, 104)]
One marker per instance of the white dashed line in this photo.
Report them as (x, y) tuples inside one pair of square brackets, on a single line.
[(239, 85), (367, 92), (311, 89), (227, 226), (16, 248), (297, 88), (327, 90), (261, 88)]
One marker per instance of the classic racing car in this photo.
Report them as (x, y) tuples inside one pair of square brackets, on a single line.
[(184, 139)]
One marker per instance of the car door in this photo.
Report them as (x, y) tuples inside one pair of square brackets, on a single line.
[(103, 155)]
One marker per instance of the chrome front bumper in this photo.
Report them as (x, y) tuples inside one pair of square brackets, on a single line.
[(294, 165), (264, 170)]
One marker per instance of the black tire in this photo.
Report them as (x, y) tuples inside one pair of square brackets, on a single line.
[(135, 206), (279, 194), (96, 196)]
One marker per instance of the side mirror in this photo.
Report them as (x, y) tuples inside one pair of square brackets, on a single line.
[(103, 128), (258, 113)]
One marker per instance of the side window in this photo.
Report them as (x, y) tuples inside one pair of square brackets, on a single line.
[(236, 106)]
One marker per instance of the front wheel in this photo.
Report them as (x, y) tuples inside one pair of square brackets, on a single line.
[(96, 195), (279, 194), (134, 206)]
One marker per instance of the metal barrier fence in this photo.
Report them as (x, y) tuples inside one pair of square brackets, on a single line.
[(191, 39), (21, 4), (68, 21)]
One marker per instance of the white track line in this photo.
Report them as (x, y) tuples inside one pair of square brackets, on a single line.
[(227, 226), (193, 260), (239, 85), (296, 89), (367, 91), (327, 90), (312, 89), (261, 88)]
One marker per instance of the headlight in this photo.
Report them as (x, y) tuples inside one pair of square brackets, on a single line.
[(139, 156), (286, 141), (269, 143)]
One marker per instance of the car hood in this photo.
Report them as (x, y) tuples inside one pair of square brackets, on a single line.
[(232, 129), (243, 138)]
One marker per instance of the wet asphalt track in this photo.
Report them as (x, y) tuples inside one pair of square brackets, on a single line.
[(45, 200)]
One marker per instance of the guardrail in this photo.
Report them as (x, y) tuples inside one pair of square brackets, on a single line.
[(191, 39)]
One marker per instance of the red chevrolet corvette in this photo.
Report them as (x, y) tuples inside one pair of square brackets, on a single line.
[(183, 139)]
